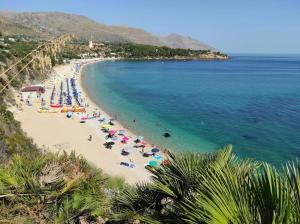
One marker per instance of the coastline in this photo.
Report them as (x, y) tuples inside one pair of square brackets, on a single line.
[(55, 132), (90, 97)]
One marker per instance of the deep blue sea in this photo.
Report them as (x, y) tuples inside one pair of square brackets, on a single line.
[(251, 102)]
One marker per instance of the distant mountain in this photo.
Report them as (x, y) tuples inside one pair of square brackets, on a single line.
[(178, 41), (8, 27), (56, 23)]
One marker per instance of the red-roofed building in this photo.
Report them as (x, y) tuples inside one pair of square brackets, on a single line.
[(32, 92), (37, 89)]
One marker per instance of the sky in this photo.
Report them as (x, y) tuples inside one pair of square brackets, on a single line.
[(233, 26)]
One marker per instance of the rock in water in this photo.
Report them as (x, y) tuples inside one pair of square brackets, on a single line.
[(167, 135)]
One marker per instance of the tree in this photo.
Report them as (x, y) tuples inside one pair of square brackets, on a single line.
[(214, 188)]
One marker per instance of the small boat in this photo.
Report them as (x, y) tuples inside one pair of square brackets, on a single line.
[(45, 110), (56, 105), (78, 109), (66, 110)]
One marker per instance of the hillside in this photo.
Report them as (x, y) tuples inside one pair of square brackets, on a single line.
[(178, 41), (56, 23), (10, 28)]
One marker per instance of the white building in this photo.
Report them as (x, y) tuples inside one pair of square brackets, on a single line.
[(31, 93), (11, 39), (90, 44)]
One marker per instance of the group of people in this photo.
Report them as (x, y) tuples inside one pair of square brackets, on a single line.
[(112, 136)]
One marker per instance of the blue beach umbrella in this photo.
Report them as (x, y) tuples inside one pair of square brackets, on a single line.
[(121, 132), (155, 150), (127, 149)]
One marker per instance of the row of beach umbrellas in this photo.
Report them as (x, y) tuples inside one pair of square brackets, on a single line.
[(69, 98), (60, 101), (75, 92), (52, 95)]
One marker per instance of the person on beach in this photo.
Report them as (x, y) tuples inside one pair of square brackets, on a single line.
[(90, 138)]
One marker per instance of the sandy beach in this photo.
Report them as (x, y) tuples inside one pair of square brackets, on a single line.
[(56, 132)]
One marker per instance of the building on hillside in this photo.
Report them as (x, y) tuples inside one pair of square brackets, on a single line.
[(91, 44), (88, 55), (30, 93), (98, 44), (12, 39)]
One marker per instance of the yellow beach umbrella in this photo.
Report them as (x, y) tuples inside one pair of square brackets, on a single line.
[(106, 126)]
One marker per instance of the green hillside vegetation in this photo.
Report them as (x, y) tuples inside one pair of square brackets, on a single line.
[(139, 51), (51, 188), (21, 48), (129, 50)]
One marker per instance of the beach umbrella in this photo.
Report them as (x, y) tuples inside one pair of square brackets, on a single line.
[(146, 154), (112, 132), (109, 144), (125, 138), (152, 163), (106, 126), (121, 132), (114, 138), (158, 157), (102, 119), (127, 149), (155, 150)]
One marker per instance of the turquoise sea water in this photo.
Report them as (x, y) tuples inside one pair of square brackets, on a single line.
[(251, 102)]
